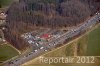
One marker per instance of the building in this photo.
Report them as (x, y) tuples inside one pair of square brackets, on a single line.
[(2, 18)]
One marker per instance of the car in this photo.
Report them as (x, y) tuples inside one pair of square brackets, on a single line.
[(49, 45), (16, 60), (54, 44), (57, 35), (36, 37), (26, 56), (11, 62), (3, 40), (26, 37), (30, 41), (22, 35), (35, 50), (29, 54), (97, 13), (45, 50), (37, 44), (41, 47), (29, 36)]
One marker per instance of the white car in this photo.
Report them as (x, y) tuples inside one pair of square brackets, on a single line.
[(35, 50), (41, 47), (29, 36), (26, 37), (45, 50), (30, 41), (54, 44), (37, 44), (97, 13)]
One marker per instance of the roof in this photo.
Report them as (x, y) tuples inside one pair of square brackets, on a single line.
[(2, 16), (46, 36)]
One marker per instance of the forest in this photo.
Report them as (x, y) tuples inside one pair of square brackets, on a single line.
[(24, 15)]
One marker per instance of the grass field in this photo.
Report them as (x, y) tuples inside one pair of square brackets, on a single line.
[(93, 48), (82, 45), (7, 52), (66, 51)]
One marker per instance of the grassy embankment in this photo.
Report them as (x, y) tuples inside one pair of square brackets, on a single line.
[(7, 52)]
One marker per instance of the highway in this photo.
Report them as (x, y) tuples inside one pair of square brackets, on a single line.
[(75, 32), (52, 44)]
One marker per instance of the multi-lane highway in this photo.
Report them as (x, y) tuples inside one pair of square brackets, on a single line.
[(52, 44), (74, 32)]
